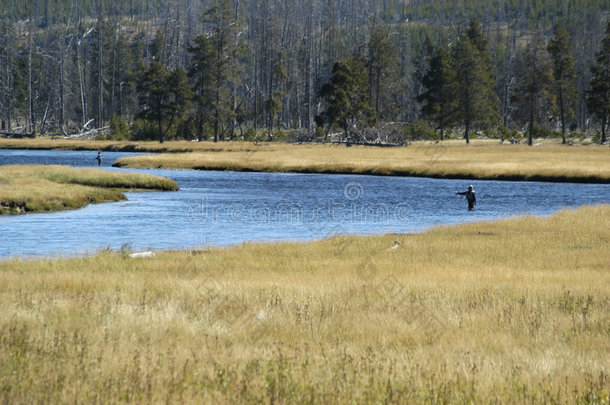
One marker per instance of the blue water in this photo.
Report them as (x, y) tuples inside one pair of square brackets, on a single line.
[(225, 208)]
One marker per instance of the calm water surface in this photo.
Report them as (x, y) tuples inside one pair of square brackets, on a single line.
[(225, 208)]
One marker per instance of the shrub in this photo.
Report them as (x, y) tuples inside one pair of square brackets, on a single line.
[(420, 131), (143, 131), (119, 129), (186, 130), (542, 132), (508, 134)]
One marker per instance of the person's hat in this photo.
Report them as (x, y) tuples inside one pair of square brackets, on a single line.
[(470, 187)]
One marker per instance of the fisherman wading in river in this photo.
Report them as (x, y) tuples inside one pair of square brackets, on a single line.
[(470, 197)]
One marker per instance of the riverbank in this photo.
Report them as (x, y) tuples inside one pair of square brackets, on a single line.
[(40, 188), (511, 311), (481, 160), (45, 143)]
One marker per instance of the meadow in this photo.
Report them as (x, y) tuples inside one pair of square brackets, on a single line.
[(513, 311), (36, 188), (482, 159)]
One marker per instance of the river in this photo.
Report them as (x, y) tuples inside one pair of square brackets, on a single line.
[(214, 208)]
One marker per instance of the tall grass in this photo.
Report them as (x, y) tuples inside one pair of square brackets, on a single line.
[(446, 160), (123, 146), (514, 311), (35, 188), (482, 159)]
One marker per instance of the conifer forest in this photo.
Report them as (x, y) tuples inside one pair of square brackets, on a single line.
[(362, 71)]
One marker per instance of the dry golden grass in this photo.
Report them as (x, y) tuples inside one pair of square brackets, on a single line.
[(34, 188), (125, 146), (482, 159), (448, 160), (515, 311)]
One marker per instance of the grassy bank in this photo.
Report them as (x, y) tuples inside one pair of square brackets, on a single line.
[(451, 160), (483, 159), (36, 188), (515, 311), (44, 143)]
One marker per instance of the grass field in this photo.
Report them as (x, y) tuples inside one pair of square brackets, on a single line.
[(482, 159), (514, 311), (44, 143), (35, 188), (447, 160)]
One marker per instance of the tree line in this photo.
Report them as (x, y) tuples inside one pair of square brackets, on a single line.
[(231, 69)]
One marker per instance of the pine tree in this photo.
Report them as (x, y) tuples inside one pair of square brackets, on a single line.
[(165, 97), (201, 75), (476, 100), (533, 93), (438, 100), (7, 73), (564, 74), (346, 96), (220, 18), (381, 63), (598, 97)]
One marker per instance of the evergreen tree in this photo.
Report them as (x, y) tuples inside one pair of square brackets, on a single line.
[(533, 93), (598, 97), (564, 74), (438, 100), (181, 97), (382, 63), (157, 48), (476, 100), (346, 96), (220, 18), (201, 75), (7, 73), (165, 97), (277, 75)]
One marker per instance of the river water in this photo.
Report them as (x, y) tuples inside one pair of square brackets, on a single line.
[(226, 208)]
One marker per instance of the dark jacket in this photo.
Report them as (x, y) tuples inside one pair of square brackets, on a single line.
[(470, 196)]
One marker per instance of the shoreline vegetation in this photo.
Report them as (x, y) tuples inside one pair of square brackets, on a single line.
[(43, 188), (552, 163), (481, 160), (511, 311)]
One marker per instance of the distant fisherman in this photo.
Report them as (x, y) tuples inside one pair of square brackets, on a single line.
[(99, 157), (470, 196)]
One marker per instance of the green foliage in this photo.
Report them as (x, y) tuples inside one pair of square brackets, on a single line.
[(201, 76), (346, 96), (438, 100), (157, 49), (382, 65), (533, 93), (224, 38), (476, 100), (185, 129), (13, 94), (544, 133), (87, 57), (420, 131), (251, 135), (598, 97), (273, 106), (118, 128), (506, 134), (143, 130), (319, 133), (564, 76), (165, 98)]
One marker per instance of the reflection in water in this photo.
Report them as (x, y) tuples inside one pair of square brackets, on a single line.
[(222, 208)]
